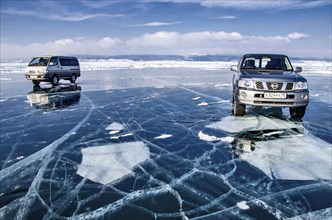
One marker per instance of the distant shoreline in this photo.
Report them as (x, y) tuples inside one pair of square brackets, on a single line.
[(161, 58)]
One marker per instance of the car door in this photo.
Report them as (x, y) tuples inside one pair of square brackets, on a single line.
[(65, 67)]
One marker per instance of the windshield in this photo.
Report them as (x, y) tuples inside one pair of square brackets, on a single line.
[(266, 62), (39, 61)]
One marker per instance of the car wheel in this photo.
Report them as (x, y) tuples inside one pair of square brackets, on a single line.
[(297, 112), (54, 80), (73, 78), (35, 82), (238, 109)]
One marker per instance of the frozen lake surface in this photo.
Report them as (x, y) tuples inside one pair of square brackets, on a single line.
[(160, 143)]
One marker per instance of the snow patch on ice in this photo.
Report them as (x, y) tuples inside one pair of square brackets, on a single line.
[(163, 136), (105, 164), (242, 205), (223, 85), (124, 135), (203, 104), (113, 132), (210, 138)]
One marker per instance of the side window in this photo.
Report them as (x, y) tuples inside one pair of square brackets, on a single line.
[(64, 62), (288, 65), (54, 61), (73, 62)]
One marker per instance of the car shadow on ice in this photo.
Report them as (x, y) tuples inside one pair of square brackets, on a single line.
[(281, 148)]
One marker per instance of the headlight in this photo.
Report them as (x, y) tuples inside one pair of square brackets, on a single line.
[(301, 85), (249, 84)]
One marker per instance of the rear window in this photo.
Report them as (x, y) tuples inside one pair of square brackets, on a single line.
[(39, 61), (74, 62), (68, 62)]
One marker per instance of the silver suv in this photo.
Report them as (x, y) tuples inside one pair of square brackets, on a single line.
[(269, 80)]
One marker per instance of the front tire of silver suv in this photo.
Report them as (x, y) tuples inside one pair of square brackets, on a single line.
[(297, 112), (237, 108)]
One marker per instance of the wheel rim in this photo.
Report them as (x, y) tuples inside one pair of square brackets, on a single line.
[(55, 80), (73, 78)]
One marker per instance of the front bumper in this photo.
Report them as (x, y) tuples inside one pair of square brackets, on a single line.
[(257, 98), (36, 77)]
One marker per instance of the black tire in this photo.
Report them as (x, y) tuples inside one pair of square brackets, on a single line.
[(55, 80), (36, 82), (297, 112), (237, 109), (73, 78)]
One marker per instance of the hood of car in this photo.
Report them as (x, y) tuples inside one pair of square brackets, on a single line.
[(282, 75)]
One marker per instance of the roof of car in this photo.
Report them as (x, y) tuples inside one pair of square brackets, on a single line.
[(265, 54), (56, 56)]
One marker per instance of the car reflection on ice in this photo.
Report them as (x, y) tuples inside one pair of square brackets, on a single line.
[(52, 98), (282, 149)]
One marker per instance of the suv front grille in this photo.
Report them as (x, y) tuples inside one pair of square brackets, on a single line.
[(289, 86), (273, 86), (259, 85)]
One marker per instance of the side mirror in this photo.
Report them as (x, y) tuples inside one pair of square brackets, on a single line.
[(234, 68), (298, 69)]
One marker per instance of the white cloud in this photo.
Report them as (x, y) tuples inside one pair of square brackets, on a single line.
[(296, 35), (162, 42), (61, 16), (228, 17), (256, 4), (158, 24), (158, 39), (108, 42)]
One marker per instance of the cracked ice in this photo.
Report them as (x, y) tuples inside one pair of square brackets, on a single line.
[(159, 144)]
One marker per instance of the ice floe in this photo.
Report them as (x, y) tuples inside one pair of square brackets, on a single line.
[(114, 128), (292, 156), (107, 163)]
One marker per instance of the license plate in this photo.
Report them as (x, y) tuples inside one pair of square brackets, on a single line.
[(33, 77), (275, 95)]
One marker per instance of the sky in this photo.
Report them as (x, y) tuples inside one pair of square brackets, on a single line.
[(298, 28)]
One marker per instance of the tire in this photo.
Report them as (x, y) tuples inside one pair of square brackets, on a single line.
[(36, 82), (55, 80), (297, 112), (237, 109), (73, 78)]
